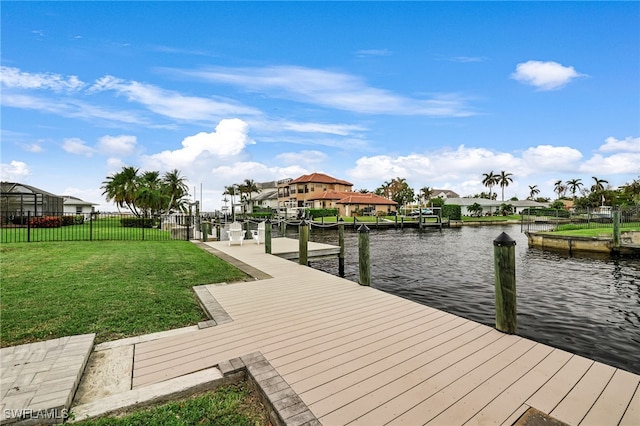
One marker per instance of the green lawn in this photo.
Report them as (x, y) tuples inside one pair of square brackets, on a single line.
[(233, 405), (577, 231), (491, 218), (112, 288)]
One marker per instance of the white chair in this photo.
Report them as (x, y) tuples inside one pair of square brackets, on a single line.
[(235, 233), (258, 235)]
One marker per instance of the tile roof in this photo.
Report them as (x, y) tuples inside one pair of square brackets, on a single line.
[(368, 198), (319, 178)]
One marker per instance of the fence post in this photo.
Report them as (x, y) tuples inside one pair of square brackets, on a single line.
[(341, 243), (616, 228), (28, 226), (267, 236), (504, 252), (364, 262), (91, 217), (303, 239)]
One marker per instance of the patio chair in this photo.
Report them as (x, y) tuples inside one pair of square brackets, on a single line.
[(258, 235), (235, 233)]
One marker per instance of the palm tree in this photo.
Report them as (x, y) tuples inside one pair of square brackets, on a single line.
[(122, 188), (574, 185), (425, 193), (533, 191), (250, 187), (560, 188), (598, 184), (232, 191), (503, 180), (488, 181), (176, 189)]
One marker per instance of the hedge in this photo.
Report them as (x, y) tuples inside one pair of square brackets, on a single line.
[(46, 222), (545, 212), (452, 211), (137, 222), (314, 213)]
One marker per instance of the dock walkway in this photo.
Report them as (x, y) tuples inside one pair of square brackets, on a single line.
[(357, 355)]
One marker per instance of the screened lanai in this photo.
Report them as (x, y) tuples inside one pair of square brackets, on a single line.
[(19, 201)]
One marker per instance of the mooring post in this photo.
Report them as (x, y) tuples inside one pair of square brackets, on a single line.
[(616, 228), (341, 243), (267, 236), (303, 239), (204, 228), (283, 227), (363, 254), (218, 236), (504, 252)]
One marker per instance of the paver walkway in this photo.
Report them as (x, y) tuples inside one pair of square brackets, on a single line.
[(356, 355), (39, 379)]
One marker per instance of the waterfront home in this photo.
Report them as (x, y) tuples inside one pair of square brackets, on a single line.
[(490, 206)]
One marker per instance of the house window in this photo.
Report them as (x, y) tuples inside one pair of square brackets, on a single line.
[(313, 188), (78, 209)]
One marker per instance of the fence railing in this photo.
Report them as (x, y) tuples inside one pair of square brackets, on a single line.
[(95, 227), (592, 218)]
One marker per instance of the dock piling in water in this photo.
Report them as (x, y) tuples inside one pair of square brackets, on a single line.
[(267, 236), (341, 244), (364, 262), (504, 252), (303, 242)]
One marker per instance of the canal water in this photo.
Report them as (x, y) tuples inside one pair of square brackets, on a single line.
[(589, 305)]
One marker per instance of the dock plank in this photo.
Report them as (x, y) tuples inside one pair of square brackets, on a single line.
[(357, 355)]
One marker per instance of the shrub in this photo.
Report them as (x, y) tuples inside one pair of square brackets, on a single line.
[(545, 212), (452, 211), (137, 222), (46, 222), (314, 213), (262, 215)]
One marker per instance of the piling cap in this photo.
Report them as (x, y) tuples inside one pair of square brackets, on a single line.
[(504, 240), (363, 228), (304, 223)]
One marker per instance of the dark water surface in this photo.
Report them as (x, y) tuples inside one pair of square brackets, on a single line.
[(589, 305)]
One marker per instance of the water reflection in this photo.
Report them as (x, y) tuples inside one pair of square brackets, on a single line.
[(588, 304)]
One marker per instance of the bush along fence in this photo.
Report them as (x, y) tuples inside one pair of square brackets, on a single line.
[(558, 220), (95, 227)]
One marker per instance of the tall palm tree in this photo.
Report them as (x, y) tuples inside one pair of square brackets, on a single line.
[(175, 187), (503, 180), (250, 187), (598, 184), (425, 193), (232, 191), (533, 191), (122, 188), (488, 181), (574, 185), (560, 188)]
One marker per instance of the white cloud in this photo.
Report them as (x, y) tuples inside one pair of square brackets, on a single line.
[(335, 129), (239, 171), (229, 139), (35, 147), (467, 59), (172, 104), (302, 157), (117, 145), (544, 75), (333, 89), (14, 78), (547, 157), (615, 164), (629, 144), (14, 171), (77, 146), (114, 165)]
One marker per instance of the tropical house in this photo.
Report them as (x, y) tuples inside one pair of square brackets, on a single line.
[(318, 190), (18, 201), (490, 206), (74, 205)]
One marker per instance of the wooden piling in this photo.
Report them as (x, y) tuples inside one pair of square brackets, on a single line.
[(267, 236), (364, 262), (504, 251), (303, 240), (283, 228), (247, 231), (341, 244), (616, 228), (218, 226)]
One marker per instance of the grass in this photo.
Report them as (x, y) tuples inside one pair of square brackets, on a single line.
[(229, 405), (104, 228), (579, 231), (115, 289)]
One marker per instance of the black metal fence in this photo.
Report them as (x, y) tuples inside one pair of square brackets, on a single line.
[(592, 218), (95, 227)]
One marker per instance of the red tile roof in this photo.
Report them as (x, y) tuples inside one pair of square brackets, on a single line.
[(319, 178), (353, 198)]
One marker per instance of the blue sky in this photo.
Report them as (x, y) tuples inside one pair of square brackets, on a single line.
[(436, 93)]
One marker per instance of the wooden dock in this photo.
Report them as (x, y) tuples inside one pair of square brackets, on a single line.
[(357, 355)]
